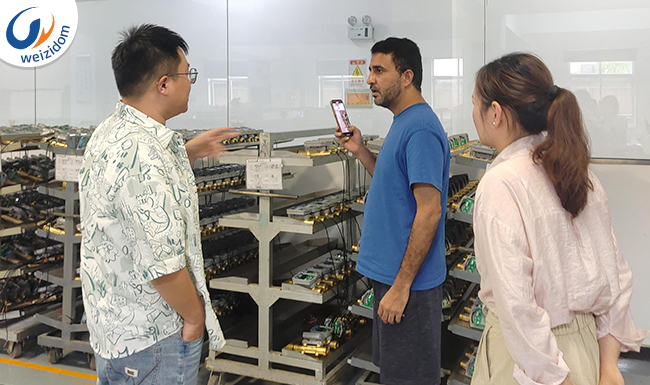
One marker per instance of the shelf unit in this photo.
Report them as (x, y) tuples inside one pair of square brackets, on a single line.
[(16, 331), (463, 329), (362, 358), (69, 334), (266, 226), (472, 162), (458, 379), (461, 217), (473, 277), (362, 311)]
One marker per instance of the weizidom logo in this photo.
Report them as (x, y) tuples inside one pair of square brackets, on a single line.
[(36, 32)]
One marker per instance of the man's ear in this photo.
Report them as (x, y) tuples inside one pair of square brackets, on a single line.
[(162, 85), (407, 78)]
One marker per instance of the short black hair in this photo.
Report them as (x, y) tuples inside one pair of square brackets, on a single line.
[(406, 56), (145, 52)]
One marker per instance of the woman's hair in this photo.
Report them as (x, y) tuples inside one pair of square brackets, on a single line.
[(523, 86)]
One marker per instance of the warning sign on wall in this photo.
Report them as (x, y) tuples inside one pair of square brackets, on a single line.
[(357, 70)]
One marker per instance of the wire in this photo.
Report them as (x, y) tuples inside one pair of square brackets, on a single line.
[(340, 232), (357, 222), (328, 240), (346, 182)]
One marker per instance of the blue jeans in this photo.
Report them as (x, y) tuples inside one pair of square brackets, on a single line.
[(171, 361)]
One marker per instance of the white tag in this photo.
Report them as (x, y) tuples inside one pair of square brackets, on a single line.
[(264, 174), (131, 372), (67, 167)]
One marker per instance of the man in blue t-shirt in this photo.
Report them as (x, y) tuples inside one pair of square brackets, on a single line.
[(402, 242)]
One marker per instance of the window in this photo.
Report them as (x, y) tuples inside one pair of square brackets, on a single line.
[(447, 88), (608, 78), (218, 91), (334, 86)]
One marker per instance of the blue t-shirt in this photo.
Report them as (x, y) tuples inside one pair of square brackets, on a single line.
[(415, 150)]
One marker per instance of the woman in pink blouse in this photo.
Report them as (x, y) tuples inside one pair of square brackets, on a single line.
[(552, 274)]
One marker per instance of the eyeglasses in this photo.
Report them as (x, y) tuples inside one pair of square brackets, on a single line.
[(191, 75)]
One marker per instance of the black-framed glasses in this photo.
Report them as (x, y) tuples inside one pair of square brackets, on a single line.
[(191, 75)]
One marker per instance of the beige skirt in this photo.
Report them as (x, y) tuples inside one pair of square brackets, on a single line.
[(577, 341)]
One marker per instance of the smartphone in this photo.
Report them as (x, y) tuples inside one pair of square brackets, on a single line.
[(341, 116)]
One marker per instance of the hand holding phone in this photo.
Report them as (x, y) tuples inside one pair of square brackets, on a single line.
[(341, 115)]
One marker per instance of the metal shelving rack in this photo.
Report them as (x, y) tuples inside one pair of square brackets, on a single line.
[(456, 325), (237, 355), (16, 331), (362, 358), (69, 335)]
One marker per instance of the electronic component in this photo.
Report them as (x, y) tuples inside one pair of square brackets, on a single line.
[(247, 135), (468, 263), (323, 208), (466, 204), (321, 334), (71, 137), (456, 141), (307, 278), (309, 349), (475, 315), (323, 146), (459, 187), (325, 275), (457, 234), (19, 293), (223, 304), (482, 151), (478, 314), (467, 365), (220, 177), (231, 248), (367, 300), (27, 169), (209, 215)]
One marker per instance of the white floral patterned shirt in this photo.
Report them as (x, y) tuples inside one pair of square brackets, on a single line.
[(140, 221)]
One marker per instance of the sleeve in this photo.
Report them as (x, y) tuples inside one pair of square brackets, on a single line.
[(504, 261), (152, 220), (618, 320), (425, 158)]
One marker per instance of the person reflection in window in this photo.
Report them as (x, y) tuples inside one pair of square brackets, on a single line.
[(614, 126)]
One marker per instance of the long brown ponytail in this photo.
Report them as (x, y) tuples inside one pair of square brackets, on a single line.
[(522, 84)]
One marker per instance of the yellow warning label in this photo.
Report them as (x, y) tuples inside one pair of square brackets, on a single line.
[(357, 72)]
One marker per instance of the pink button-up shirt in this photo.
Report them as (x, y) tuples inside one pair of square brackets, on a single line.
[(539, 267)]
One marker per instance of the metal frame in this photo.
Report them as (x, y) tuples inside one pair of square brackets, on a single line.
[(265, 226), (66, 278), (621, 161), (15, 332)]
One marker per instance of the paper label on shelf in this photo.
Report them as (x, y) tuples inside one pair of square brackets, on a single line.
[(67, 167), (264, 174)]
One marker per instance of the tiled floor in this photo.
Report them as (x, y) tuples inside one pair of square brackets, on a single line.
[(33, 368)]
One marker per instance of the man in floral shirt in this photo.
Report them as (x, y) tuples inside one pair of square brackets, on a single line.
[(142, 274)]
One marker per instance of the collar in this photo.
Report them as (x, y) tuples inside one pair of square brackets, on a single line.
[(411, 107), (133, 115), (521, 146)]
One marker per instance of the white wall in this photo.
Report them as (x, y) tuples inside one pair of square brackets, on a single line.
[(627, 189)]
